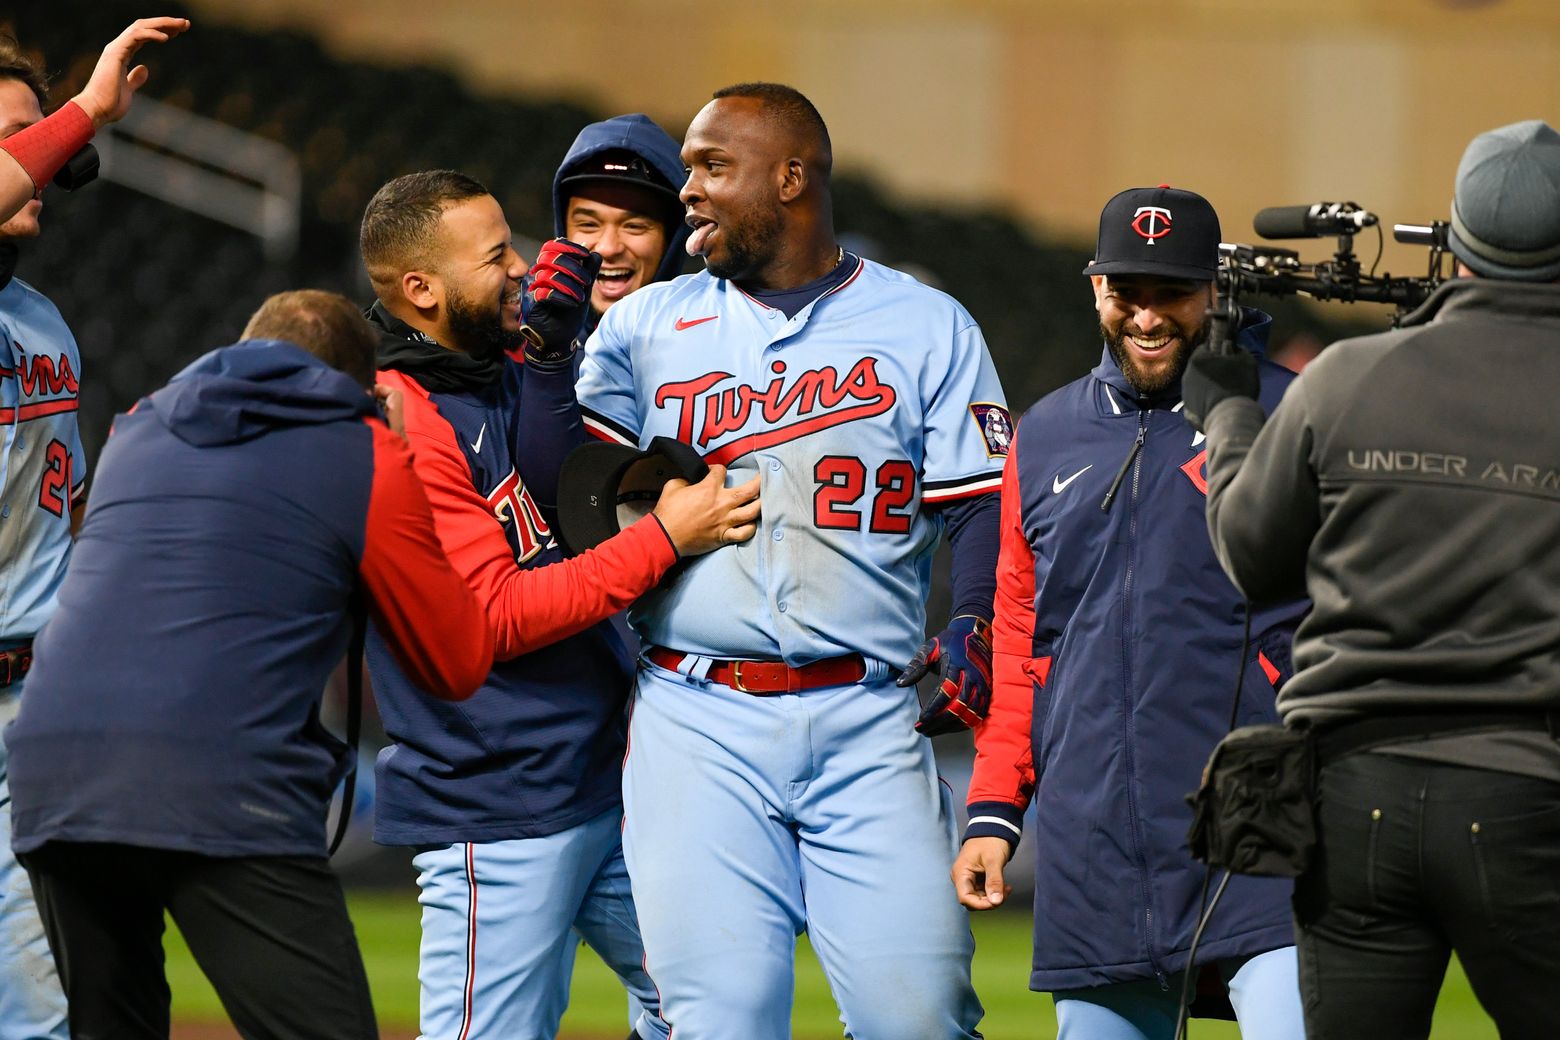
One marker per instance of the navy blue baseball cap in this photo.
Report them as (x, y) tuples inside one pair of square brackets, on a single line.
[(604, 487), (621, 166), (1160, 231)]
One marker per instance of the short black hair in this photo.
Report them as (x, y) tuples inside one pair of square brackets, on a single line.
[(325, 324), (402, 217), (18, 64), (791, 109)]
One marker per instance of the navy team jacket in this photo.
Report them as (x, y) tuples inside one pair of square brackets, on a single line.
[(539, 747), (1116, 647), (174, 702)]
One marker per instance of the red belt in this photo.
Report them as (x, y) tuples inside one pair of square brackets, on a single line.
[(15, 663), (769, 677)]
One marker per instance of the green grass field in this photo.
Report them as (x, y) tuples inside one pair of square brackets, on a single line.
[(387, 930)]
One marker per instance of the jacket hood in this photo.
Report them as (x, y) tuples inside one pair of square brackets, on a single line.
[(236, 393), (640, 135), (1251, 336)]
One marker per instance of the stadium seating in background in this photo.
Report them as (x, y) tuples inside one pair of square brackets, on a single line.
[(147, 286)]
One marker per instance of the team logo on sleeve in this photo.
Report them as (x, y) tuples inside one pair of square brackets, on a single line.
[(996, 428)]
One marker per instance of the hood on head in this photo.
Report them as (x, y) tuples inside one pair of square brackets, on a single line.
[(639, 134), (236, 393)]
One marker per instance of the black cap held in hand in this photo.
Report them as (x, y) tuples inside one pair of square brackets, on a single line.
[(605, 487), (1161, 231)]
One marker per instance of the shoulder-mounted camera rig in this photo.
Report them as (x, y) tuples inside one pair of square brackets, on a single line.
[(1274, 271)]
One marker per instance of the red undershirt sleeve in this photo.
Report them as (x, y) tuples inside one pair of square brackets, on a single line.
[(1004, 759), (428, 616), (528, 608)]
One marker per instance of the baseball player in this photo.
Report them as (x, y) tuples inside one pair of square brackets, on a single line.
[(615, 193), (1116, 637), (512, 798), (42, 475), (775, 782)]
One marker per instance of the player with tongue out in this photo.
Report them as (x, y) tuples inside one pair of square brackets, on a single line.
[(776, 782)]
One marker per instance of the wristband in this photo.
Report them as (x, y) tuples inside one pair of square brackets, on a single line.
[(41, 149)]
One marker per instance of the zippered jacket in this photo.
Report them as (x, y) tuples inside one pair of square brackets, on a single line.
[(174, 703), (1116, 650), (539, 748), (1410, 482)]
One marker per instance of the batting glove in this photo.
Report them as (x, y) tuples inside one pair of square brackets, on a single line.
[(555, 301), (1211, 378), (961, 654)]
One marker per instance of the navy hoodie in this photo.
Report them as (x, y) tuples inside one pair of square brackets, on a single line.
[(174, 702)]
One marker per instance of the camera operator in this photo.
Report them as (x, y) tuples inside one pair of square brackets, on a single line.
[(1407, 483)]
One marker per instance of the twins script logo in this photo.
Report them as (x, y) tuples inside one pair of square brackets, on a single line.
[(1151, 222), (812, 401), (48, 386), (42, 375), (512, 503)]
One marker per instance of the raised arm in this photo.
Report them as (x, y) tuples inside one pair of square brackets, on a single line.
[(31, 157)]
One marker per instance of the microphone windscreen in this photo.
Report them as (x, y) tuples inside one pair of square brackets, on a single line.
[(1284, 222)]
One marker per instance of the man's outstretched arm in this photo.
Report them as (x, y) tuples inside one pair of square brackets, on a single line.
[(31, 157)]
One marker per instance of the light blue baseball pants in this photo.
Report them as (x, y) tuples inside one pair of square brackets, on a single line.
[(500, 924), (1264, 990), (750, 819), (32, 1004)]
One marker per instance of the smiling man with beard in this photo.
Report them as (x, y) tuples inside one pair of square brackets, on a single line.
[(513, 800), (1115, 638)]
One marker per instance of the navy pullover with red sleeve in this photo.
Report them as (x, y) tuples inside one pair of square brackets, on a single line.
[(174, 702), (539, 748)]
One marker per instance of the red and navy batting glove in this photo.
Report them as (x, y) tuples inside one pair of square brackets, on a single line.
[(555, 300), (961, 654)]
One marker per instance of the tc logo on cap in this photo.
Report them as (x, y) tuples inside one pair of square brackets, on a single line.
[(1156, 219)]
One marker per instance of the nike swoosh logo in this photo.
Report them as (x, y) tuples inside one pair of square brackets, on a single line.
[(681, 324), (1058, 485), (476, 445)]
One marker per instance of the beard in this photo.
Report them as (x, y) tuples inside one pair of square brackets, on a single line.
[(749, 245), (1148, 382), (478, 330)]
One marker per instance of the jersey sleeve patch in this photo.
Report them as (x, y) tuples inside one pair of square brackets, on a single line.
[(996, 428)]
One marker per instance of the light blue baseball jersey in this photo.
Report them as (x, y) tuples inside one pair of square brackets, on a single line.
[(876, 400), (42, 468)]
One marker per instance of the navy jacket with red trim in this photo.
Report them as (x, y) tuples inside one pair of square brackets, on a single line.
[(539, 747), (1116, 646), (175, 699)]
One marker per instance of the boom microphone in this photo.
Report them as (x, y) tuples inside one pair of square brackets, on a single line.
[(1318, 220)]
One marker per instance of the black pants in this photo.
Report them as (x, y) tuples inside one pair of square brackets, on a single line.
[(270, 932), (1419, 859)]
